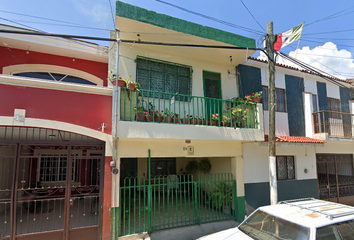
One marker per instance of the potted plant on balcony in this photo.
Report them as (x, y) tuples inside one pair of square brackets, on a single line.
[(174, 117), (254, 97), (214, 119), (239, 116), (112, 77)]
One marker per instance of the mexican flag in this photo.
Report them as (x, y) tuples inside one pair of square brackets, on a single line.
[(288, 37)]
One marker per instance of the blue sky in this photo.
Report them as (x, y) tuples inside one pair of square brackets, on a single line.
[(326, 43)]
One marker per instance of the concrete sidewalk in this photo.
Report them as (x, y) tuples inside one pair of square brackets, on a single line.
[(184, 233)]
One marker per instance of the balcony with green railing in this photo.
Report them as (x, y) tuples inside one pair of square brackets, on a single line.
[(167, 108), (162, 108)]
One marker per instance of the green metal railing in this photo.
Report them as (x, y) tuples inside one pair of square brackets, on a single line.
[(175, 201), (168, 108)]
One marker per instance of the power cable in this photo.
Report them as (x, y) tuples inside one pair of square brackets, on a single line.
[(331, 16), (252, 15), (63, 25), (212, 18), (23, 25), (307, 67), (319, 33), (130, 41), (43, 18)]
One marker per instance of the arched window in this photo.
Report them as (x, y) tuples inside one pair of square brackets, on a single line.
[(55, 77), (53, 73)]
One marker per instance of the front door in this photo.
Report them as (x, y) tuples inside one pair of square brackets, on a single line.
[(50, 191), (212, 93), (335, 177)]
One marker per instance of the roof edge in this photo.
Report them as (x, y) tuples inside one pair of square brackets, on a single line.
[(126, 10)]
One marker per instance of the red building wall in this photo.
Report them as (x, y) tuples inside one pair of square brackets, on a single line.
[(11, 56), (88, 110)]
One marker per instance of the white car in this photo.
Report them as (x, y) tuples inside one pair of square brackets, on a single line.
[(303, 219)]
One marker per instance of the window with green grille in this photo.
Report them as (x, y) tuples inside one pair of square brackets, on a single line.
[(161, 76)]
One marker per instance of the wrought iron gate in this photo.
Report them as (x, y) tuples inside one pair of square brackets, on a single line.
[(51, 190), (335, 176), (175, 201)]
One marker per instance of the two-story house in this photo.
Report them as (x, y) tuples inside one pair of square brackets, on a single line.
[(181, 135), (55, 138), (314, 136)]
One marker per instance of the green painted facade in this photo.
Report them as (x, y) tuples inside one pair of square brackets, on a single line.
[(161, 20), (295, 105), (240, 208), (258, 194), (250, 80)]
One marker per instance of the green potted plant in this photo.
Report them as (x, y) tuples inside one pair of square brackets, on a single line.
[(174, 117), (254, 97), (214, 119), (239, 116), (112, 77), (221, 196)]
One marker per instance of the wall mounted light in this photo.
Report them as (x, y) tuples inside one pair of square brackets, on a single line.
[(306, 170)]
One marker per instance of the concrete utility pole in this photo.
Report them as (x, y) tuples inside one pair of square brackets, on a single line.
[(271, 109)]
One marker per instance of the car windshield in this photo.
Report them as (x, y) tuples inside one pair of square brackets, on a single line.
[(268, 227), (344, 230)]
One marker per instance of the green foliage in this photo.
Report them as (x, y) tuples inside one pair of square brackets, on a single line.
[(192, 166), (202, 166), (221, 194)]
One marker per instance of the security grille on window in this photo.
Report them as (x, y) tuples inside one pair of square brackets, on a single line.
[(285, 168), (53, 168), (334, 106), (280, 99), (163, 76)]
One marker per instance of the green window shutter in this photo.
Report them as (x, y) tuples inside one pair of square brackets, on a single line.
[(161, 76)]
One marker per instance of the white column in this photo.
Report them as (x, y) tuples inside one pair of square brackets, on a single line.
[(308, 114)]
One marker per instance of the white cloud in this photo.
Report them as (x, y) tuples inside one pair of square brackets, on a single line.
[(98, 11), (327, 58)]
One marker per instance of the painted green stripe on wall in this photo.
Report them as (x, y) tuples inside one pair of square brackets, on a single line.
[(257, 194), (241, 209), (161, 20)]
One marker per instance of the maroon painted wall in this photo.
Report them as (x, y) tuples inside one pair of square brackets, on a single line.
[(88, 110), (11, 56)]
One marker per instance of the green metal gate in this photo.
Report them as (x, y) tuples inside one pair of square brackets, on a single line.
[(175, 201)]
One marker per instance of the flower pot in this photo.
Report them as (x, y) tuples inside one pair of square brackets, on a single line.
[(167, 119), (140, 117), (131, 86), (256, 99), (121, 83), (185, 120), (174, 119), (211, 123), (193, 121)]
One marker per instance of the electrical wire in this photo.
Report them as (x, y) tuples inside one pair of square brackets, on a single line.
[(319, 33), (307, 67), (23, 25), (212, 18), (252, 15), (331, 16), (110, 5), (63, 25)]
